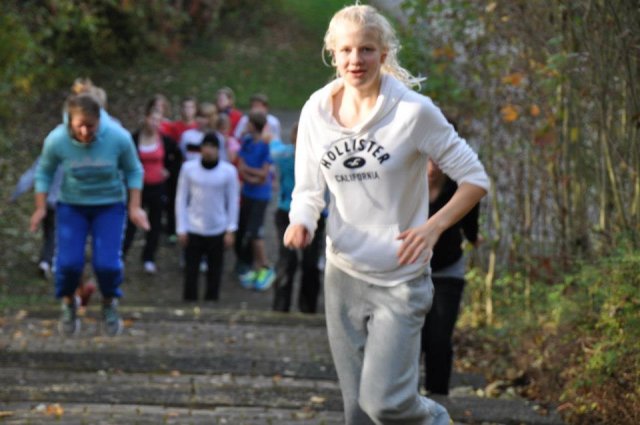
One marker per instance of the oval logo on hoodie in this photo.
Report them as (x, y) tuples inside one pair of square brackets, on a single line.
[(354, 162)]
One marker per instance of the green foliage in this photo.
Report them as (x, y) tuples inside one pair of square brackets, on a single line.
[(602, 300), (428, 54), (601, 304), (241, 18), (578, 342), (45, 45)]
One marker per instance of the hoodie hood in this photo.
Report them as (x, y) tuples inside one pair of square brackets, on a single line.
[(391, 92)]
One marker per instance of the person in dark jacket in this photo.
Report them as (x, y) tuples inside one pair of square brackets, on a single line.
[(447, 274)]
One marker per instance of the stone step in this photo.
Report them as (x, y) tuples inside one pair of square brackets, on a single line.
[(188, 347), (187, 312), (131, 414), (169, 389)]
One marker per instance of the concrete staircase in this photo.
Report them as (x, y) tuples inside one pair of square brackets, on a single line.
[(191, 365)]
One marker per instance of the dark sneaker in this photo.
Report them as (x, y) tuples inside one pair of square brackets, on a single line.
[(112, 322), (264, 279), (69, 324)]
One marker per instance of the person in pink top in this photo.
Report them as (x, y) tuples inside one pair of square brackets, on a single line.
[(158, 154), (162, 105), (225, 102)]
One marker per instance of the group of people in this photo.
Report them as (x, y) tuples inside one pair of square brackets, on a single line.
[(191, 177), (372, 161)]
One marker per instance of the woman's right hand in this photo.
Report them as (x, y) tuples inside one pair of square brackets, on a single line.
[(36, 218), (296, 236)]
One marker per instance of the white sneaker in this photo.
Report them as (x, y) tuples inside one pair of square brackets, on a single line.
[(150, 267), (45, 269)]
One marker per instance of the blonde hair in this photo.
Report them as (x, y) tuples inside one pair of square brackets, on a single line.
[(368, 17), (85, 85)]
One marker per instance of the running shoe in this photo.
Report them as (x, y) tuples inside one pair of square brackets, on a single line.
[(150, 267), (204, 266), (264, 279), (45, 269), (440, 416), (247, 279), (69, 324), (112, 322)]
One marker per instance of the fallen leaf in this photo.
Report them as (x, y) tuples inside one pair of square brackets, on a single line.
[(534, 110), (305, 413), (509, 113), (55, 410), (316, 399), (514, 79)]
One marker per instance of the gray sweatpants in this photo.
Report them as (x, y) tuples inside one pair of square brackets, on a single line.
[(374, 335)]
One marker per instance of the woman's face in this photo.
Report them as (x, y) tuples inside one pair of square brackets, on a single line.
[(83, 126), (358, 55), (153, 120), (222, 101), (189, 110)]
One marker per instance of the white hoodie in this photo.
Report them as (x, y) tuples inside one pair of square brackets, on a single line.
[(376, 174)]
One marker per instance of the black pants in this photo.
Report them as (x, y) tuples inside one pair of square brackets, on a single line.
[(170, 206), (287, 266), (153, 202), (212, 248), (48, 236), (250, 228), (437, 333)]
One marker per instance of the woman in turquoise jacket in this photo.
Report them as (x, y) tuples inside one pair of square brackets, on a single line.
[(99, 163)]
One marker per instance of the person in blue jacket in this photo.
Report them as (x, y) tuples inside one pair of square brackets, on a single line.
[(25, 184), (283, 156), (95, 154)]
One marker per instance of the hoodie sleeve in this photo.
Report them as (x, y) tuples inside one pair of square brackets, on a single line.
[(451, 152), (308, 193)]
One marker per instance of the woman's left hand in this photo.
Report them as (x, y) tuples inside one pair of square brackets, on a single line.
[(415, 242), (138, 216)]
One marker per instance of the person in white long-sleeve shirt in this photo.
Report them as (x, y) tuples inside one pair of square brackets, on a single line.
[(367, 137), (206, 216)]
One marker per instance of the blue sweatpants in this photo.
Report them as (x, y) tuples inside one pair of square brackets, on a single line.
[(105, 224)]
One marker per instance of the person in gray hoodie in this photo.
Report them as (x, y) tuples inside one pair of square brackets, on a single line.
[(367, 137)]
